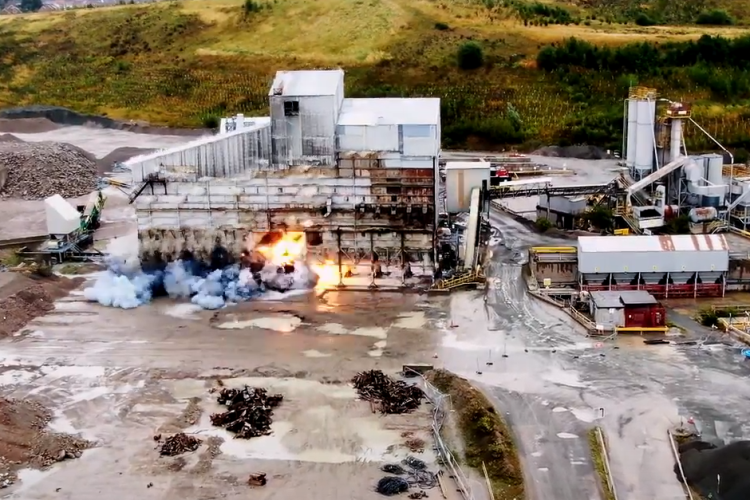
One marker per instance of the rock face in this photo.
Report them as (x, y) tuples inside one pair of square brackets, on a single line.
[(36, 170)]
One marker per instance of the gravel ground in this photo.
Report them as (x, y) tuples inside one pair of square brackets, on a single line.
[(40, 170)]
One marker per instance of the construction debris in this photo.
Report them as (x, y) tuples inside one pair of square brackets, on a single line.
[(179, 444), (392, 396), (37, 170), (716, 472), (249, 413), (417, 495), (392, 485), (257, 479), (393, 469)]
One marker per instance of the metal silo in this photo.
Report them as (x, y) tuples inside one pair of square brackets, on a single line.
[(714, 164), (631, 133), (644, 155)]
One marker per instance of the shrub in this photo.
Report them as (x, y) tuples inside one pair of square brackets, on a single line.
[(644, 19), (470, 56), (716, 17), (210, 121), (251, 6), (542, 224)]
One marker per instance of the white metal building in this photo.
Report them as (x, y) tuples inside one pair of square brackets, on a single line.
[(666, 265), (357, 176)]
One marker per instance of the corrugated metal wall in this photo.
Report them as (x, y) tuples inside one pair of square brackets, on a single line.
[(308, 137), (216, 156)]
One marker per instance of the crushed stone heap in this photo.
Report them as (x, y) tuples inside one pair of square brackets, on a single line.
[(37, 170)]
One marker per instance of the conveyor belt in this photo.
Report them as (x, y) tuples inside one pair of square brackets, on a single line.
[(543, 188)]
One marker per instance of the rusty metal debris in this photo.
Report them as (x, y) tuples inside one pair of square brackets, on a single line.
[(249, 411), (179, 444), (417, 495), (257, 479), (390, 395)]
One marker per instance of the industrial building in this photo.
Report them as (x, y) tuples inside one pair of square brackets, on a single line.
[(350, 179), (665, 266), (622, 311)]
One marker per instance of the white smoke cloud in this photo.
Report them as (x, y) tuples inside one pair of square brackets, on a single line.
[(127, 287)]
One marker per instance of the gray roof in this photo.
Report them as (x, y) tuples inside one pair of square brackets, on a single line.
[(607, 300), (620, 299), (637, 298)]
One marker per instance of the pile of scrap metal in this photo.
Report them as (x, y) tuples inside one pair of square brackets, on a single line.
[(258, 479), (391, 396), (178, 444), (249, 411), (414, 475)]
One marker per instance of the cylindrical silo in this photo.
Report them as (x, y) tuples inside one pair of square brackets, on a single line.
[(644, 155), (675, 140), (632, 132), (715, 163)]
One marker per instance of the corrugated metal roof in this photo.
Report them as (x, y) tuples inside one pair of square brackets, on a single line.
[(467, 165), (636, 297), (661, 243), (307, 83), (390, 111), (604, 300)]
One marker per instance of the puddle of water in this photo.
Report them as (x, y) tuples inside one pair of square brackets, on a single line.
[(566, 435), (284, 323), (333, 329), (54, 372), (413, 320), (559, 409), (587, 415), (30, 477), (371, 331), (564, 377), (183, 311), (312, 353), (377, 350)]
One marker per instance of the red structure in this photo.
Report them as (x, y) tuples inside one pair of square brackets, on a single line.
[(643, 311)]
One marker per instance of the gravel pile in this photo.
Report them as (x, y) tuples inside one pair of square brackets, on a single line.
[(37, 170)]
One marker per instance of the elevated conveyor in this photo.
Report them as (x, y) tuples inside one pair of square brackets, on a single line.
[(543, 186)]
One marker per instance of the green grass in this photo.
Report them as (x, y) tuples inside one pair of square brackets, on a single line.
[(597, 455), (485, 434), (175, 63)]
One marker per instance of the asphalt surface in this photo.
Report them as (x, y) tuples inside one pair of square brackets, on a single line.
[(555, 384)]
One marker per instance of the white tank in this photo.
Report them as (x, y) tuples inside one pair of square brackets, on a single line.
[(632, 132), (714, 165), (703, 214), (675, 140), (644, 155)]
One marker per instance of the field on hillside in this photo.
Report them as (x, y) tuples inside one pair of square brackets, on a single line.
[(185, 63)]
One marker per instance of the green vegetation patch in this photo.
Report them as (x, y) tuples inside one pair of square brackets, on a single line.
[(597, 455), (486, 436)]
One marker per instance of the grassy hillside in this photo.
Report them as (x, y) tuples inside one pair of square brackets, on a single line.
[(183, 63)]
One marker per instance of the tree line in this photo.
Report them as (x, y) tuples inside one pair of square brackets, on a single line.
[(646, 58)]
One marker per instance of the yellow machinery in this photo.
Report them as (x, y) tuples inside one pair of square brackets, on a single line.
[(554, 250), (472, 277)]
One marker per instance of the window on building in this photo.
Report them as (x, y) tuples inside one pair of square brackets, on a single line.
[(393, 190), (416, 131), (394, 199), (291, 108)]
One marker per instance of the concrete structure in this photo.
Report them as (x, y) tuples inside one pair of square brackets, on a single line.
[(623, 310), (357, 177), (461, 178)]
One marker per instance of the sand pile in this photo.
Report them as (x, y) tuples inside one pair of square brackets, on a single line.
[(30, 297), (37, 170), (717, 472), (24, 442)]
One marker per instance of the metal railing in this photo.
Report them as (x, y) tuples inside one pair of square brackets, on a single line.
[(441, 404)]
